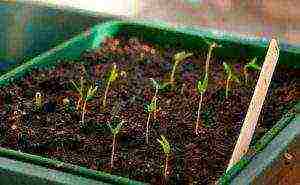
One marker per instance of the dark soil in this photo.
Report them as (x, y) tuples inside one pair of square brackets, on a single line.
[(57, 133)]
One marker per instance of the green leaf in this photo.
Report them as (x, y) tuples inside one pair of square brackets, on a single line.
[(165, 144), (181, 56), (253, 65), (115, 110), (117, 129), (235, 78), (79, 89), (152, 106), (155, 83), (76, 86), (159, 85), (229, 73), (227, 69), (202, 85), (91, 93), (113, 73)]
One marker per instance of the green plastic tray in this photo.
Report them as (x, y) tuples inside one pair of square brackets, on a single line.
[(233, 45)]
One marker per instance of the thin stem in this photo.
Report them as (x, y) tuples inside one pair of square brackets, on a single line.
[(105, 94), (113, 152), (155, 102), (227, 86), (198, 113), (246, 76), (147, 129), (78, 102), (182, 89), (208, 58), (83, 113), (166, 167), (156, 92), (81, 85), (173, 73)]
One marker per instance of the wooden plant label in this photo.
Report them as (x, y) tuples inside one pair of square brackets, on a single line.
[(256, 103)]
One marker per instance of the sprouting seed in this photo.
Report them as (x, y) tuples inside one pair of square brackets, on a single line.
[(252, 65), (201, 88), (179, 57), (80, 89), (202, 84), (152, 107), (114, 132), (167, 151), (112, 77), (212, 45), (89, 96), (86, 94), (230, 77), (38, 101)]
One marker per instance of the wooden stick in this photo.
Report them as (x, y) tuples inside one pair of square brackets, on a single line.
[(256, 103)]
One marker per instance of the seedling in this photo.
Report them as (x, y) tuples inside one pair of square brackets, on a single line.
[(86, 94), (201, 88), (152, 107), (202, 84), (167, 151), (89, 96), (230, 77), (179, 57), (38, 101), (114, 132), (212, 45), (159, 85), (80, 90), (112, 77), (252, 65)]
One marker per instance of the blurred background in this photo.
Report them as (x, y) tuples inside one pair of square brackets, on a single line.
[(29, 27), (279, 18)]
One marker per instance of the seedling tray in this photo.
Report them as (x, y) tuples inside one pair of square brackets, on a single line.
[(233, 45)]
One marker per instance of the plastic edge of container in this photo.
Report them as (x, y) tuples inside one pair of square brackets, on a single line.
[(261, 145)]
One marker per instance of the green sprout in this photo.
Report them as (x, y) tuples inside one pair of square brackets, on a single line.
[(38, 101), (212, 45), (86, 94), (114, 132), (112, 77), (89, 96), (201, 88), (179, 57), (167, 151), (80, 90), (202, 84), (152, 107), (230, 77), (252, 65)]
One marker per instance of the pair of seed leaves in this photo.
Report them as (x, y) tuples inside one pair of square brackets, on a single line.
[(202, 84), (160, 86), (86, 95), (90, 93)]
